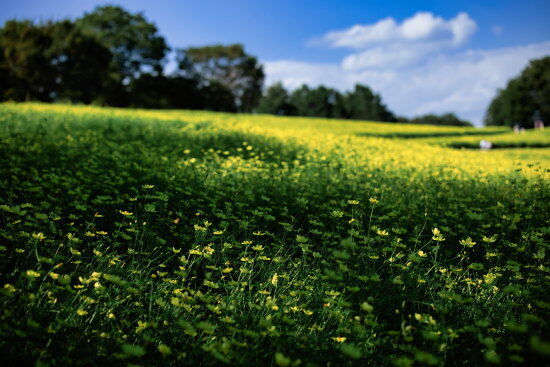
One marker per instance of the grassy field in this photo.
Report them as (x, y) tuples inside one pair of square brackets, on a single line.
[(174, 238), (528, 139)]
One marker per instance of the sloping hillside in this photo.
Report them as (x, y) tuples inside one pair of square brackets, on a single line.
[(199, 238)]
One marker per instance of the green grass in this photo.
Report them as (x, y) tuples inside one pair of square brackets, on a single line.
[(528, 139), (165, 238)]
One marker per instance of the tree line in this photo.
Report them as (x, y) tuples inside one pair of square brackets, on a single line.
[(110, 56), (526, 98), (361, 103)]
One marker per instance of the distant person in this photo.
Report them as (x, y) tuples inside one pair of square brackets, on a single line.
[(517, 128), (538, 125), (485, 145)]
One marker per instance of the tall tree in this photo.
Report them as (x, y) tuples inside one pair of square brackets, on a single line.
[(4, 74), (30, 74), (317, 102), (135, 42), (80, 64), (363, 104), (229, 66), (217, 97), (51, 61), (276, 101), (159, 91), (525, 98)]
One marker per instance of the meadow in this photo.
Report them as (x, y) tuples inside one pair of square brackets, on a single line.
[(528, 139), (173, 238)]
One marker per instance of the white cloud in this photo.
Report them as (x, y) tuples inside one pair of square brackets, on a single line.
[(460, 81), (421, 27), (462, 27), (419, 65), (395, 55)]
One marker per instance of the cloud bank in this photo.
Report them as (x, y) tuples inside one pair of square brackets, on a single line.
[(419, 66), (422, 27)]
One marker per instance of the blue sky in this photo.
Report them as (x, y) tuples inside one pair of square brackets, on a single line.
[(422, 56)]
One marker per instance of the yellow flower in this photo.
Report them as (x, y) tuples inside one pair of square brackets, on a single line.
[(32, 273), (39, 236), (275, 279)]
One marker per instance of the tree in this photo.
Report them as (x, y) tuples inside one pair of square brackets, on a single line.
[(4, 74), (30, 75), (159, 91), (276, 101), (363, 104), (80, 64), (217, 97), (135, 43), (445, 119), (51, 61), (229, 66), (317, 102), (525, 98)]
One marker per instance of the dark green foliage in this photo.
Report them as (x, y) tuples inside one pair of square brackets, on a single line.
[(363, 104), (317, 102), (525, 99), (432, 119), (359, 104), (51, 61), (158, 91), (217, 97), (24, 47), (229, 66), (134, 41), (276, 101), (80, 64)]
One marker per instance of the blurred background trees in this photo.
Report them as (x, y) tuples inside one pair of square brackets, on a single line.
[(110, 56), (51, 61), (276, 101), (229, 67), (432, 119), (135, 43), (526, 98)]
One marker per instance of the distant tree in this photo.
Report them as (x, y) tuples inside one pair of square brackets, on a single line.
[(276, 101), (363, 104), (30, 74), (4, 74), (229, 66), (51, 61), (525, 97), (80, 64), (445, 119), (135, 42), (317, 102), (217, 97), (159, 91)]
